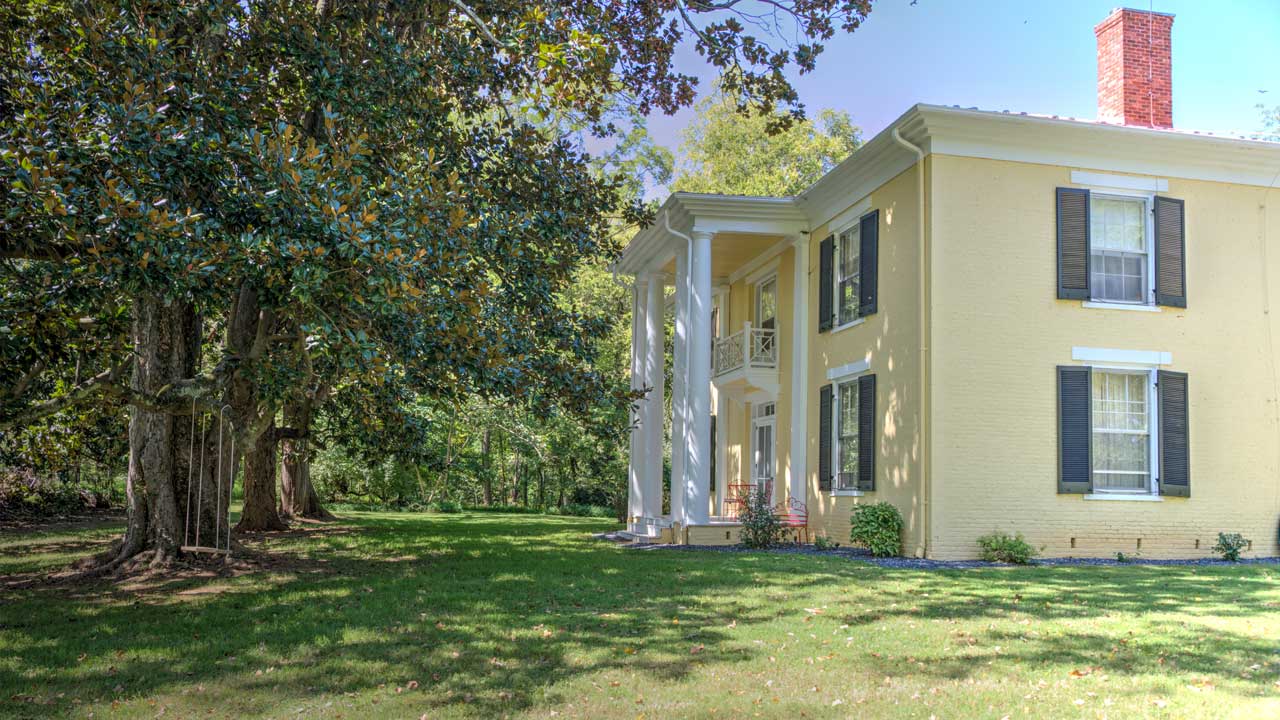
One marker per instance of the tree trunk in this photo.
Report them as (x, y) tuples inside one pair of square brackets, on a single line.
[(298, 496), (165, 344), (486, 468), (260, 486), (249, 327)]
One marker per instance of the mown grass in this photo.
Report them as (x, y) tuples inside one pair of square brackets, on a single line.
[(486, 616)]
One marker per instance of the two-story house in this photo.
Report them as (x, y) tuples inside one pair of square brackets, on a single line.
[(992, 320)]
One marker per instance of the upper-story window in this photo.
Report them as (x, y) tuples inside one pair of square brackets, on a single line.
[(1121, 248), (1120, 256), (847, 276), (767, 303), (847, 271)]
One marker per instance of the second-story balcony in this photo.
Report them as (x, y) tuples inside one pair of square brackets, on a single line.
[(746, 362)]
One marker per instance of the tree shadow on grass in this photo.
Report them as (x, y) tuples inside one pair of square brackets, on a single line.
[(491, 612), (487, 612)]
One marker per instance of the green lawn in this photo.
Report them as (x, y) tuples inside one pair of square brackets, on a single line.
[(486, 616)]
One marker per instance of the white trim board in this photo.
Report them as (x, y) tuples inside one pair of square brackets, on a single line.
[(1122, 182), (1131, 357), (853, 368), (846, 219)]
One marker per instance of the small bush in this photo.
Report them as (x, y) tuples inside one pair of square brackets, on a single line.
[(878, 528), (1001, 547), (448, 506), (1127, 557), (1229, 546), (761, 526), (822, 542)]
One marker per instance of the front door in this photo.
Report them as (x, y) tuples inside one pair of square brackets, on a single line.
[(762, 450)]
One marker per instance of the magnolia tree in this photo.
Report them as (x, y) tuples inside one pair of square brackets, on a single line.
[(265, 208)]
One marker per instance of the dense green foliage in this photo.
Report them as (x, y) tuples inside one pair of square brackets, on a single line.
[(343, 223), (489, 616), (1230, 545), (878, 528), (1005, 548), (726, 153), (761, 525)]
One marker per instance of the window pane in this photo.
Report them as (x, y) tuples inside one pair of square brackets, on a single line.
[(847, 430), (848, 300), (1121, 444), (846, 280), (1119, 261)]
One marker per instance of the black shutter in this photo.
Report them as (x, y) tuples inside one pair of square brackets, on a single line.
[(1175, 459), (867, 433), (826, 270), (1075, 461), (824, 438), (869, 239), (1073, 243), (1171, 252), (713, 452)]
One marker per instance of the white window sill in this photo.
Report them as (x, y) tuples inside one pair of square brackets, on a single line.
[(1120, 306), (1125, 497), (846, 326), (847, 493)]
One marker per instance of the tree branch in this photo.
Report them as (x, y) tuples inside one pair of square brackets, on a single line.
[(102, 382)]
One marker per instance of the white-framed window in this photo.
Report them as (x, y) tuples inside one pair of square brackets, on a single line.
[(847, 267), (1121, 263), (763, 426), (767, 302), (846, 435), (1124, 441)]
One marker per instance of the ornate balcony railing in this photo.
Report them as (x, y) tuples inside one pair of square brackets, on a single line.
[(748, 348)]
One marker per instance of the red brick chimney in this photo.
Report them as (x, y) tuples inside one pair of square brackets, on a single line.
[(1135, 73)]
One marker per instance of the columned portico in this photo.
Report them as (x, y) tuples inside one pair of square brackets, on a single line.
[(702, 245)]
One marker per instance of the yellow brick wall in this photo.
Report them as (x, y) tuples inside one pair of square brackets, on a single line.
[(889, 340), (999, 332)]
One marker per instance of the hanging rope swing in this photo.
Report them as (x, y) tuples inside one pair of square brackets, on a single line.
[(222, 512)]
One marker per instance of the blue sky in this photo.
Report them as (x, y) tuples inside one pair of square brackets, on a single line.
[(1031, 56)]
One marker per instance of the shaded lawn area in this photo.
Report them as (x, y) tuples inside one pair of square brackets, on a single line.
[(485, 616)]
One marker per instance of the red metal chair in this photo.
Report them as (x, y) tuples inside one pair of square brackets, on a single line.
[(795, 515)]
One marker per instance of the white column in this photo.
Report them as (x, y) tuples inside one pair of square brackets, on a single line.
[(680, 362), (698, 390), (721, 404), (636, 466), (797, 467), (654, 402)]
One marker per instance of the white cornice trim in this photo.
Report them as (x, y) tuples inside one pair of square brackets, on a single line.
[(1098, 146)]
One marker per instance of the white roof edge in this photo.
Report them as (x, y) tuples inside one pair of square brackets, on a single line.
[(996, 135)]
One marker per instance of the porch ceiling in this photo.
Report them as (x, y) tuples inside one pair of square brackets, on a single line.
[(730, 251)]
